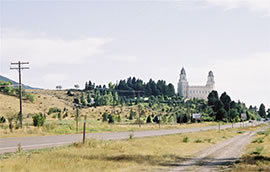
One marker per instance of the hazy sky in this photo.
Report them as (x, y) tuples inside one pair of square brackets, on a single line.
[(69, 42)]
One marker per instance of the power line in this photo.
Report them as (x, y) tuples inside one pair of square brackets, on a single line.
[(19, 68)]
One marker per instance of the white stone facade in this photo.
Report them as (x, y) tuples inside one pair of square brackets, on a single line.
[(195, 91)]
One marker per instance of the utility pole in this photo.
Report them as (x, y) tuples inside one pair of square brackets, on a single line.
[(19, 68), (139, 109), (77, 119)]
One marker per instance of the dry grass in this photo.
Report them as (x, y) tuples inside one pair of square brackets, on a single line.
[(42, 103), (257, 154), (55, 127), (45, 99), (150, 153)]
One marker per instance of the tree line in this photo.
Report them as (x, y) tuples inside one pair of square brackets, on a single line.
[(133, 87)]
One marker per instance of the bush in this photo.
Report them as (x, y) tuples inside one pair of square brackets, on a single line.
[(10, 123), (207, 118), (118, 118), (30, 97), (185, 140), (105, 117), (132, 114), (39, 119), (258, 140), (65, 115), (257, 151), (2, 120), (59, 115), (156, 119), (110, 119), (198, 141), (54, 110), (149, 120)]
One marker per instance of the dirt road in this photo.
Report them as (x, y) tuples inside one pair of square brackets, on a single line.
[(219, 157)]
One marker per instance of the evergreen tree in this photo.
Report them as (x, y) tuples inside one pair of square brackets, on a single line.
[(105, 117), (83, 100), (110, 119), (212, 98), (268, 113), (149, 120), (220, 114), (262, 112), (226, 100)]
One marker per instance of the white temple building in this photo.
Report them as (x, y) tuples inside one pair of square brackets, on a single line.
[(195, 91)]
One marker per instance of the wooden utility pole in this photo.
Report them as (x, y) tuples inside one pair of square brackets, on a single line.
[(77, 119), (19, 68)]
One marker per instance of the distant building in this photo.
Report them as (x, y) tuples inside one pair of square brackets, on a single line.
[(195, 91)]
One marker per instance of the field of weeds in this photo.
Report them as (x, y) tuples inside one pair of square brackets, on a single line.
[(151, 153)]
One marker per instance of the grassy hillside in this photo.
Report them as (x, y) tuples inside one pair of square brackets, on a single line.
[(42, 103)]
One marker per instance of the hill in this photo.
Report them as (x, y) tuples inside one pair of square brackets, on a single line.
[(2, 78), (42, 103)]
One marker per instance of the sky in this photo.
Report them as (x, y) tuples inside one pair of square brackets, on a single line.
[(70, 42)]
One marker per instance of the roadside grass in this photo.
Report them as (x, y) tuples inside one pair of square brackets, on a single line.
[(68, 126), (142, 154), (257, 154)]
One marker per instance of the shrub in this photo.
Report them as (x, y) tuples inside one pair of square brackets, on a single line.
[(132, 114), (257, 151), (10, 117), (208, 140), (198, 141), (39, 119), (105, 117), (65, 115), (164, 119), (156, 119), (185, 140), (30, 97), (258, 140), (2, 120), (110, 119), (54, 110), (59, 115), (149, 120), (118, 118)]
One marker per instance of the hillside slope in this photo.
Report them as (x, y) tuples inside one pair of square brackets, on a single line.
[(42, 103), (2, 78)]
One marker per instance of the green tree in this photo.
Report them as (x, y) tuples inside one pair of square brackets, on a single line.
[(105, 117), (110, 119), (220, 114), (262, 112), (234, 114), (83, 100), (226, 100), (132, 114), (268, 113), (89, 98), (149, 119), (212, 98)]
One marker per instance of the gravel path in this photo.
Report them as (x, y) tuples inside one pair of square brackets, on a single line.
[(219, 156)]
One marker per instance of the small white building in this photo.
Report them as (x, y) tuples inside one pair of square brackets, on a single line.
[(195, 91)]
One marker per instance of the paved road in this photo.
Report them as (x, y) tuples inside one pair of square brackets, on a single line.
[(38, 142)]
